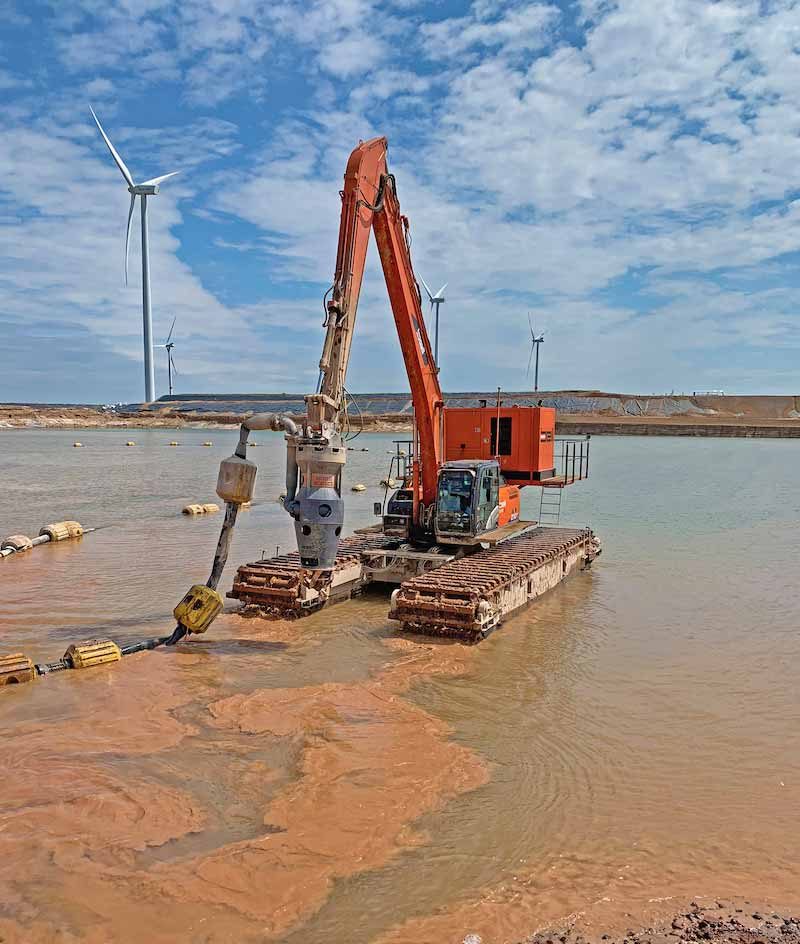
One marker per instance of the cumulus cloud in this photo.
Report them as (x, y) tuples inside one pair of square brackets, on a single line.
[(626, 171)]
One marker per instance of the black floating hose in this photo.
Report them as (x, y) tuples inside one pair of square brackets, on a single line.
[(144, 646)]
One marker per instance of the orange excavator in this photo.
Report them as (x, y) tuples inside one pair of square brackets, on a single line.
[(467, 464), (456, 518), (451, 539)]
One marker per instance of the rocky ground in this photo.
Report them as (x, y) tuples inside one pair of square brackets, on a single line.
[(735, 921)]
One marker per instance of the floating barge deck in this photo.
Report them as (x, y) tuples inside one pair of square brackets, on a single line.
[(440, 593)]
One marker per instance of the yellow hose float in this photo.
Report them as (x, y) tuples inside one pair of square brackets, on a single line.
[(85, 655), (77, 445), (62, 530), (58, 531), (174, 443), (208, 443), (209, 508), (130, 442), (199, 608), (359, 487), (16, 669)]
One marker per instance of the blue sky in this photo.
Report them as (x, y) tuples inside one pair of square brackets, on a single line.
[(625, 171)]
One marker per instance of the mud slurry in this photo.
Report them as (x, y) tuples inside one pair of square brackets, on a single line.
[(93, 832)]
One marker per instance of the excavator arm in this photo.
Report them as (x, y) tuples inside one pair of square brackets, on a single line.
[(316, 455)]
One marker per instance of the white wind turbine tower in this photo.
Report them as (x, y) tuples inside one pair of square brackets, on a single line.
[(436, 300), (536, 340), (147, 188), (169, 345)]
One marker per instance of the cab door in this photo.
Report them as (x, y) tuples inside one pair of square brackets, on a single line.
[(488, 485)]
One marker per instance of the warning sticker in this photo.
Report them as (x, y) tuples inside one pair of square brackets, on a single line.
[(322, 480)]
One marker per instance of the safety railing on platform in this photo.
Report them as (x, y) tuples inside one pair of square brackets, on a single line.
[(572, 460)]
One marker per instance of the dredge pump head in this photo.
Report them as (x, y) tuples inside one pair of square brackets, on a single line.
[(318, 506)]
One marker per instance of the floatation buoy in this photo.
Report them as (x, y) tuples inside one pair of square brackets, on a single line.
[(209, 508), (59, 531)]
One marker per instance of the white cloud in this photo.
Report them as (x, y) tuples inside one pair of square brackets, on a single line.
[(522, 27), (611, 185)]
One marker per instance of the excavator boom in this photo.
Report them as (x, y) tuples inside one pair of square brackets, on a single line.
[(317, 454)]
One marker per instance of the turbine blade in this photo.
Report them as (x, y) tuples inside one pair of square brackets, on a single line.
[(157, 180), (172, 361), (169, 336), (426, 288), (530, 358), (530, 325), (440, 293), (117, 159), (128, 235)]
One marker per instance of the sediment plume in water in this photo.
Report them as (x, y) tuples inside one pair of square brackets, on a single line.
[(87, 829)]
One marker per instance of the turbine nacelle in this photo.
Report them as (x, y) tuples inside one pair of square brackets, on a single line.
[(438, 298), (147, 188)]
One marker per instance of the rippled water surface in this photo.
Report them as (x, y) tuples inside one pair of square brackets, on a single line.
[(630, 738)]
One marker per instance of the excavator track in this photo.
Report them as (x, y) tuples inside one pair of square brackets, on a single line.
[(466, 597), (469, 597), (279, 588)]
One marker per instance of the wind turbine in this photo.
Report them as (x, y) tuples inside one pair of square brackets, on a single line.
[(149, 188), (436, 300), (169, 345), (536, 340)]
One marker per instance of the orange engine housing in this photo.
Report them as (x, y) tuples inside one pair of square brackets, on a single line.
[(523, 440), (509, 505)]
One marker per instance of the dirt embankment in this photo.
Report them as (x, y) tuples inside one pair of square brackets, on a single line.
[(578, 424), (13, 416), (595, 414)]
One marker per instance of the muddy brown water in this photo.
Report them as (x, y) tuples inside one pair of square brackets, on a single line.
[(629, 741)]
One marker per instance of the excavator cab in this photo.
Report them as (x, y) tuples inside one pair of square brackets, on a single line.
[(467, 500)]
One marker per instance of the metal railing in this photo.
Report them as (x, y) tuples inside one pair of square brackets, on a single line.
[(572, 459)]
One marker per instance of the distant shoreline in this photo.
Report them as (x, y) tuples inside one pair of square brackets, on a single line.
[(20, 417)]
